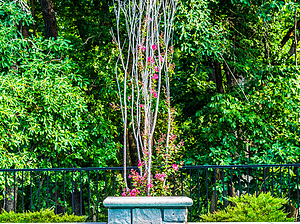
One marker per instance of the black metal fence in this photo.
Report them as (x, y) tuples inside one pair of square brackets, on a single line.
[(82, 190)]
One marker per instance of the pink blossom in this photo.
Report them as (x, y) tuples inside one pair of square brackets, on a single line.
[(142, 105), (148, 17), (160, 176), (151, 91), (155, 95), (161, 58), (156, 69), (155, 76), (140, 164), (149, 185), (154, 47), (150, 60), (124, 193), (141, 47), (175, 167)]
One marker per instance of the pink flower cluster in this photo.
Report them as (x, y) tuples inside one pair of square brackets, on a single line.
[(149, 185), (161, 58), (175, 167), (150, 60), (155, 76), (131, 193), (135, 176), (141, 163), (151, 91), (160, 176), (148, 18), (142, 47)]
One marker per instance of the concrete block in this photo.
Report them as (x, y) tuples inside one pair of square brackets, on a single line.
[(119, 216), (146, 216), (175, 215)]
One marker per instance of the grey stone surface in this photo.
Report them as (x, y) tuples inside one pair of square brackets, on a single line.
[(119, 216), (178, 202), (175, 223), (146, 216), (175, 215)]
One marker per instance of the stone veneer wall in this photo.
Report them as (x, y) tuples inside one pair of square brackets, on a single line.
[(163, 210), (147, 216)]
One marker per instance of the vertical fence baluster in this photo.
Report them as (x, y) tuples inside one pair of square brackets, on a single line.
[(55, 173), (198, 193), (15, 191), (113, 182), (297, 176), (223, 188), (173, 184), (64, 192), (89, 191), (72, 191), (22, 191), (39, 190), (248, 181), (181, 182), (5, 194), (206, 171), (97, 197), (47, 189), (264, 173), (272, 181), (231, 182), (215, 178), (105, 192), (280, 182), (289, 190), (31, 191), (240, 185), (80, 192), (256, 191), (190, 193)]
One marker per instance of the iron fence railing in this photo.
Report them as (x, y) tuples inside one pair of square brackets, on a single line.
[(82, 190)]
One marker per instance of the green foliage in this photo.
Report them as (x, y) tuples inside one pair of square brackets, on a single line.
[(256, 120), (251, 208), (44, 216), (44, 108)]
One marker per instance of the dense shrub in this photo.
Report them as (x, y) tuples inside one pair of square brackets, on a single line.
[(44, 216), (249, 208)]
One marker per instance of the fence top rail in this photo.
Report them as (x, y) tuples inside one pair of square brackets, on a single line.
[(135, 167), (68, 169), (241, 166)]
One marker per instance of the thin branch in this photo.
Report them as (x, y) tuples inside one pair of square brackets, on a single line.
[(234, 77)]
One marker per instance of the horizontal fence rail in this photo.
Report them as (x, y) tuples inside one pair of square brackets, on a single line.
[(82, 190)]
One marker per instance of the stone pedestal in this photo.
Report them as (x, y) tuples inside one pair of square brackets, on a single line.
[(147, 210)]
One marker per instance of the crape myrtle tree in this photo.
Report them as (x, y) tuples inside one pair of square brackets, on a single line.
[(142, 73)]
